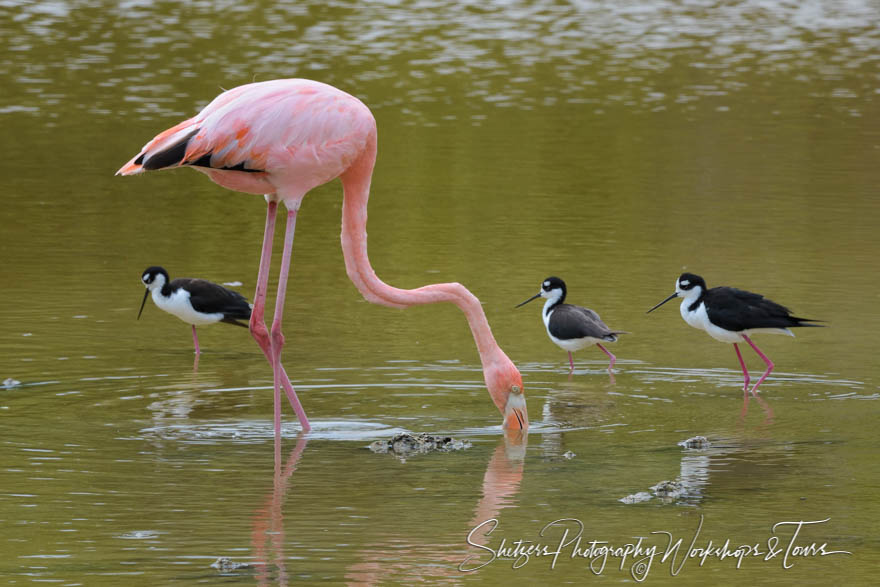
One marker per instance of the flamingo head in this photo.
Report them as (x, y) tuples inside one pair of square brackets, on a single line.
[(506, 388)]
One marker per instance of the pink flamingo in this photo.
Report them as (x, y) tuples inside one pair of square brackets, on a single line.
[(280, 139)]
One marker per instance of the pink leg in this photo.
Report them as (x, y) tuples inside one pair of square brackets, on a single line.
[(743, 365), (770, 364), (571, 362), (277, 338), (607, 352), (258, 325), (196, 340)]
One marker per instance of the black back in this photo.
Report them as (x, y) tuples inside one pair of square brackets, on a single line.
[(736, 310), (210, 298), (569, 322)]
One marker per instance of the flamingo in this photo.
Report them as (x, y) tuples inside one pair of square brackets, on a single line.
[(280, 139)]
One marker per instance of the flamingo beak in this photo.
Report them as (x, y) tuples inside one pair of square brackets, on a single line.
[(673, 296), (516, 416), (146, 293), (537, 295)]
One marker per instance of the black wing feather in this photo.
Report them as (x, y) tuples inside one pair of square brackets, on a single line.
[(211, 298), (173, 156), (169, 157), (737, 310), (569, 322)]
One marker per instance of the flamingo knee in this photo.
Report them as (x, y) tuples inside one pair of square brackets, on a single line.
[(260, 333), (277, 341)]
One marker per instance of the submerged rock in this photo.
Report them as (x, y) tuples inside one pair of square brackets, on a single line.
[(636, 497), (695, 442), (668, 489), (227, 565), (409, 444)]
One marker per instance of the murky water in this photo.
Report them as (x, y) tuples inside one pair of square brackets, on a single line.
[(612, 144)]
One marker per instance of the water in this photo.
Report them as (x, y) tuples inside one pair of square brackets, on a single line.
[(612, 144)]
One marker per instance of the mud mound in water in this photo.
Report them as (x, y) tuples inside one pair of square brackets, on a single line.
[(404, 445)]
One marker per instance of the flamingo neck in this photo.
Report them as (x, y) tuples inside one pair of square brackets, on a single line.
[(356, 190)]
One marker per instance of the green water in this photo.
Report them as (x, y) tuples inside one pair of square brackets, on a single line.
[(612, 145)]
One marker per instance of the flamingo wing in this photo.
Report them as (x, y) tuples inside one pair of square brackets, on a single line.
[(297, 131)]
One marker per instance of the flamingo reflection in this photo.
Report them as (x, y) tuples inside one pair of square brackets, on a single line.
[(267, 535), (385, 561)]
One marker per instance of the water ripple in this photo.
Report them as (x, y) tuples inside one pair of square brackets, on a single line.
[(249, 431), (491, 54)]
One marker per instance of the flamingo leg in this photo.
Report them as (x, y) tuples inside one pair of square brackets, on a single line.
[(743, 365), (766, 359), (257, 323), (607, 352), (570, 362), (196, 341), (261, 333), (277, 337)]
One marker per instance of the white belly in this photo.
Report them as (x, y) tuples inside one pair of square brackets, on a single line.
[(700, 319), (571, 345), (574, 344), (178, 304)]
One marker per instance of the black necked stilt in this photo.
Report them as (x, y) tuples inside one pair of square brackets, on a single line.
[(572, 328), (732, 315), (195, 301)]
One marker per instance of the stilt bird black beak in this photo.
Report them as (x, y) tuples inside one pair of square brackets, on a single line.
[(146, 293), (675, 295), (537, 295)]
